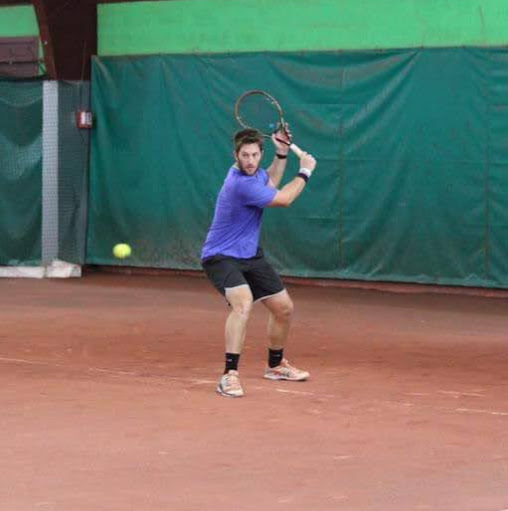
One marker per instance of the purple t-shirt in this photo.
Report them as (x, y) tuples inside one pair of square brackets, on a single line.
[(237, 220)]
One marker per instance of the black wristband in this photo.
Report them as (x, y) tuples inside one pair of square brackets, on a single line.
[(305, 177), (281, 156)]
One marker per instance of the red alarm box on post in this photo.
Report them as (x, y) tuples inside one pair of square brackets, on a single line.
[(84, 119)]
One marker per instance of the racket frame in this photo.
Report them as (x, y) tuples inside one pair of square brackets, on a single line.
[(293, 147)]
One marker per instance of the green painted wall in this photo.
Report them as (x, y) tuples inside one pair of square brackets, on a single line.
[(210, 26), (18, 21)]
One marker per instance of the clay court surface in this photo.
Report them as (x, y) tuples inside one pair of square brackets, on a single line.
[(107, 401)]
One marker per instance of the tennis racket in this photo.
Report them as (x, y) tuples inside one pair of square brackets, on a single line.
[(256, 109)]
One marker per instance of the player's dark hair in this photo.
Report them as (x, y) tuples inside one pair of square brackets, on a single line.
[(248, 136)]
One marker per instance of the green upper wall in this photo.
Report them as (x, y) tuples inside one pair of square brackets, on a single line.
[(19, 21), (215, 26)]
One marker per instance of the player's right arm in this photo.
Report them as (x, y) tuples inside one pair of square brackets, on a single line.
[(288, 193)]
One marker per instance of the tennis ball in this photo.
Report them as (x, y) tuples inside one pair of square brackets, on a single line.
[(122, 250)]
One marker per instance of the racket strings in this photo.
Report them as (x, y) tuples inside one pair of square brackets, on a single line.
[(259, 112)]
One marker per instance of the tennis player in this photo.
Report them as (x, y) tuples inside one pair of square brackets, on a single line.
[(234, 261)]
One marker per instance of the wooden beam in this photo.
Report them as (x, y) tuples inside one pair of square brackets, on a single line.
[(68, 31), (45, 35)]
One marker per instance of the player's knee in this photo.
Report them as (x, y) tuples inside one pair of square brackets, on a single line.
[(243, 308), (285, 310)]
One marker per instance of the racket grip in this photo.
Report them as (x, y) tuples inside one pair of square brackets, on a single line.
[(296, 150)]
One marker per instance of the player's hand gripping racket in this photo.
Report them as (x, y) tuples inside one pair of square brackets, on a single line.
[(256, 109)]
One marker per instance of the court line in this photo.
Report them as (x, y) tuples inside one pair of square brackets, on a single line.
[(200, 381), (112, 371), (34, 362), (298, 392), (455, 393), (163, 377), (197, 381), (477, 410)]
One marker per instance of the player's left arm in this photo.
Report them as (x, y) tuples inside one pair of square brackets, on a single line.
[(278, 166)]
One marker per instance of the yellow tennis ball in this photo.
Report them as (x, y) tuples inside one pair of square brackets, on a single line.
[(122, 250)]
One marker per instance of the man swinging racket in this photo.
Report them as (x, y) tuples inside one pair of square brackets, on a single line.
[(234, 261)]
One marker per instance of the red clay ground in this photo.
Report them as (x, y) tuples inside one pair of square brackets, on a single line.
[(107, 401)]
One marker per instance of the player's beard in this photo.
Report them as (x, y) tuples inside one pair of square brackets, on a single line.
[(240, 166)]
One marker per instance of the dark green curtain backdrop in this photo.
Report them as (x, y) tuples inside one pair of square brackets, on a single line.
[(20, 172), (73, 158), (411, 144)]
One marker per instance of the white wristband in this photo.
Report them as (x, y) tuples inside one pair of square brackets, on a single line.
[(305, 171)]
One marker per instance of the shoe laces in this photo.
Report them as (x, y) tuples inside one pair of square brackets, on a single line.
[(286, 368), (231, 379)]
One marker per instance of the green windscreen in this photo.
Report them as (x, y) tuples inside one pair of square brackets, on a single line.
[(20, 172), (411, 160), (73, 155)]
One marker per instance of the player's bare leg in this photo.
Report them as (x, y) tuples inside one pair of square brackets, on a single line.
[(240, 300), (280, 309)]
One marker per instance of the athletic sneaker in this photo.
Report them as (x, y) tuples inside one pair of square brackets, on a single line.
[(285, 371), (229, 385)]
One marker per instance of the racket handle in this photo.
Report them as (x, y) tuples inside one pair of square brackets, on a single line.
[(296, 150)]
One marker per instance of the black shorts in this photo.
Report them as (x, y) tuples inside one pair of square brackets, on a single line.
[(227, 272)]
